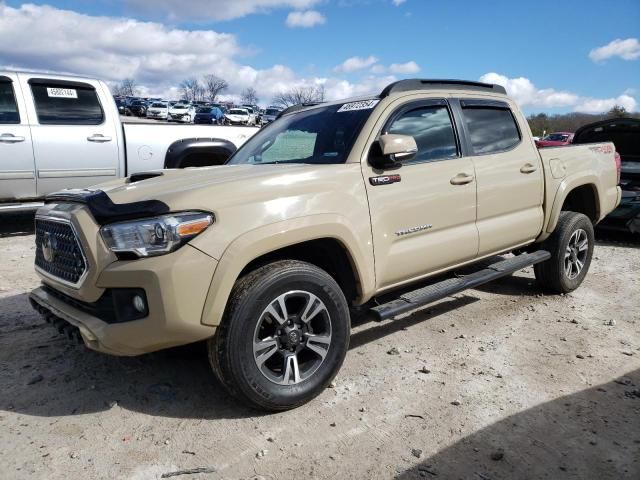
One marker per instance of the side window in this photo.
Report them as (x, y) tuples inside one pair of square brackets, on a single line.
[(491, 129), (8, 106), (432, 130), (73, 105)]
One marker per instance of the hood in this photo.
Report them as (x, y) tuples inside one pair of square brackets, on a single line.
[(208, 187), (623, 132), (551, 143)]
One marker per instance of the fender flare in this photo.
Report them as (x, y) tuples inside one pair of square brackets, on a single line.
[(275, 236), (218, 149), (564, 189)]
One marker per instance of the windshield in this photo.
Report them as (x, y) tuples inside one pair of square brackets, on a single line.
[(271, 111), (179, 107), (322, 135), (158, 105), (556, 137), (204, 110), (236, 111)]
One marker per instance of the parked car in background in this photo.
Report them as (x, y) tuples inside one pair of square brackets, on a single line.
[(556, 139), (238, 116), (625, 135), (121, 103), (63, 131), (158, 110), (138, 108), (270, 114), (182, 112), (209, 115)]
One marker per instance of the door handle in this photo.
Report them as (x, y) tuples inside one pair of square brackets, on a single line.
[(98, 138), (10, 138), (528, 168), (461, 179)]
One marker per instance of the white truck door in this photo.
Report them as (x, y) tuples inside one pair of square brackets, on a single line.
[(17, 167), (75, 143)]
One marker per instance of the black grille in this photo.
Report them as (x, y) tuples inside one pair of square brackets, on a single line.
[(58, 252)]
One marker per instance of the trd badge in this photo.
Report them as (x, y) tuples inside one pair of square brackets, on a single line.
[(384, 180)]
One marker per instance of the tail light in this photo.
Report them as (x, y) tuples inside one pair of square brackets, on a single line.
[(618, 166)]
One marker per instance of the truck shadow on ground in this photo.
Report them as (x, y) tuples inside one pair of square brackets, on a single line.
[(592, 434), (16, 224)]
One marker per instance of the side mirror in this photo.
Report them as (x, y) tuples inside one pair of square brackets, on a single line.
[(398, 148)]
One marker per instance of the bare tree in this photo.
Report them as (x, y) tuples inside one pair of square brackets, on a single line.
[(214, 86), (126, 88), (296, 95), (190, 88), (618, 111), (249, 96)]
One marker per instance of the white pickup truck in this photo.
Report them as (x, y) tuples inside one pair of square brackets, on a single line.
[(60, 131)]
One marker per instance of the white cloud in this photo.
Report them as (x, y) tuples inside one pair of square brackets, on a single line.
[(599, 105), (353, 64), (628, 49), (404, 68), (397, 3), (526, 94), (305, 19), (215, 9), (156, 56)]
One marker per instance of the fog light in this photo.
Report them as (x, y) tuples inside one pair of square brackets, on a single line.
[(138, 304)]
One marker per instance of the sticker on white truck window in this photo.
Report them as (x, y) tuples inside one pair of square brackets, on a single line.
[(361, 105), (62, 92)]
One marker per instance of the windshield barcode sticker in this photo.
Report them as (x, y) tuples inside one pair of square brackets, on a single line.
[(361, 105), (62, 92)]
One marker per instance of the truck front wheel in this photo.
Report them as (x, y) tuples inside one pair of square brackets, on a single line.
[(571, 247), (284, 335)]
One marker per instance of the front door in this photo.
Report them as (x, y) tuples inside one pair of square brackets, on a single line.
[(422, 214), (74, 144), (17, 168)]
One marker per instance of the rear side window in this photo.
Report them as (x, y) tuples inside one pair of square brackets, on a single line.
[(8, 106), (66, 105), (432, 130), (491, 129)]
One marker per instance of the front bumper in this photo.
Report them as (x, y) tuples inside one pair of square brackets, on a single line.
[(176, 287)]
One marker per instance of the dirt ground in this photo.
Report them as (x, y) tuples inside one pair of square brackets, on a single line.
[(496, 383)]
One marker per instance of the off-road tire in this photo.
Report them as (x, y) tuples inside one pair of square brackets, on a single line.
[(551, 274), (231, 353)]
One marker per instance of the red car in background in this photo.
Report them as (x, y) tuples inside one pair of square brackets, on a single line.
[(556, 139)]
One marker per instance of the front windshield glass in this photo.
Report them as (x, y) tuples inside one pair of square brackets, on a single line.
[(321, 135), (556, 137), (179, 107), (204, 110), (158, 105), (271, 111), (235, 111)]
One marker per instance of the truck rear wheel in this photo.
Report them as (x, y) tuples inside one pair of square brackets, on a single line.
[(284, 335), (571, 247)]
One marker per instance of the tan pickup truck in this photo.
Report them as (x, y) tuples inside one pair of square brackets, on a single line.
[(314, 218)]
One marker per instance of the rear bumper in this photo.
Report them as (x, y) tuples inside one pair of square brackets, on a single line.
[(176, 291)]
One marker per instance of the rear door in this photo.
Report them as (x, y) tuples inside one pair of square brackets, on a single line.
[(423, 214), (17, 168), (508, 170), (75, 144)]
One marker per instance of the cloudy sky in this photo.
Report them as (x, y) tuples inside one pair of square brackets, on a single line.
[(578, 56)]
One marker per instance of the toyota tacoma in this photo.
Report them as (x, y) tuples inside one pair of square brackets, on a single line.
[(327, 212)]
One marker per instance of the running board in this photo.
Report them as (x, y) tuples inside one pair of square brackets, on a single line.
[(437, 291)]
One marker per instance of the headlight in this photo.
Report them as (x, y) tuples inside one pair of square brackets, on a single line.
[(157, 235)]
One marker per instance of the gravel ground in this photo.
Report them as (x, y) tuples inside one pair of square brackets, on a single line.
[(495, 383)]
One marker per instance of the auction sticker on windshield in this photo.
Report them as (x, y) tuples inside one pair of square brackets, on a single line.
[(361, 105), (62, 92)]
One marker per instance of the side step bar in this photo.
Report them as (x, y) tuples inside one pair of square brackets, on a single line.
[(437, 291)]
